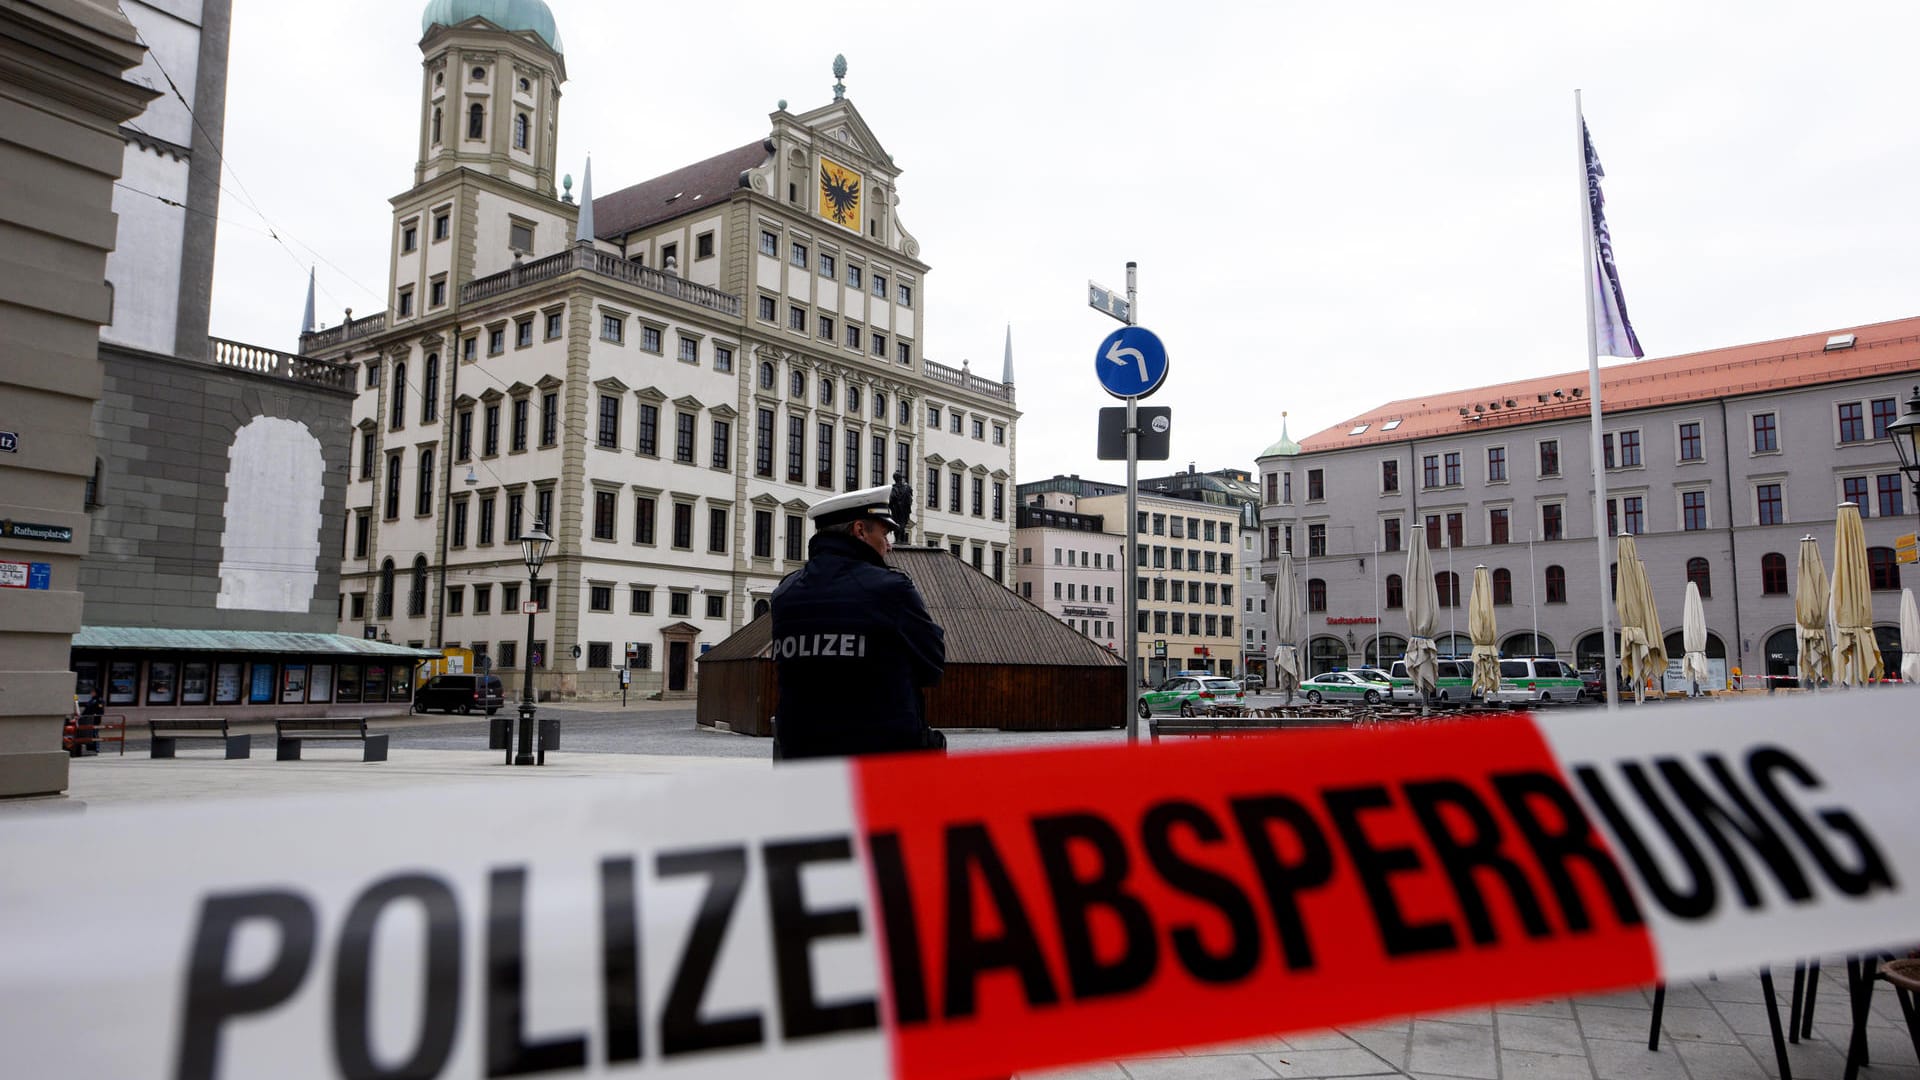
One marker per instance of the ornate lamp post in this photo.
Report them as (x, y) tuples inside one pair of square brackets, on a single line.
[(533, 550), (1905, 433)]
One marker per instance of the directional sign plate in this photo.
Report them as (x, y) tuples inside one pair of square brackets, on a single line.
[(1131, 362)]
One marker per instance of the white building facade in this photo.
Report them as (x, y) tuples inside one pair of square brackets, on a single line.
[(667, 377)]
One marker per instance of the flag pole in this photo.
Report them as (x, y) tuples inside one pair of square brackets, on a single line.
[(1590, 267)]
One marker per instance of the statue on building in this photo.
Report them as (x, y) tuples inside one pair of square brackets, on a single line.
[(901, 503)]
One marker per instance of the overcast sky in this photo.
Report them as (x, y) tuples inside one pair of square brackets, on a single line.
[(1332, 204)]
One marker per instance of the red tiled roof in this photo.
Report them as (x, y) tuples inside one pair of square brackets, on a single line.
[(682, 191), (1879, 349)]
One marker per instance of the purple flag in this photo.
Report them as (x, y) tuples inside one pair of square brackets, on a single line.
[(1612, 334)]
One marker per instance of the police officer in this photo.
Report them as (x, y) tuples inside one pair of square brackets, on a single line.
[(853, 644)]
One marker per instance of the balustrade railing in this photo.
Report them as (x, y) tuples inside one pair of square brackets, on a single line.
[(322, 340), (606, 264), (261, 361), (967, 380)]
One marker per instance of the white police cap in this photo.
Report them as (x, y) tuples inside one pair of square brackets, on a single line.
[(873, 504)]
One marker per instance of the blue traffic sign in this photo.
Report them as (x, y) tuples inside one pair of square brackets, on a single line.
[(1131, 362)]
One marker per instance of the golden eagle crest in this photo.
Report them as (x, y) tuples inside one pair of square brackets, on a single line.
[(840, 195)]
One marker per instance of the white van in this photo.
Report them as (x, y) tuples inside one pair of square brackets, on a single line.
[(1538, 679), (1454, 684)]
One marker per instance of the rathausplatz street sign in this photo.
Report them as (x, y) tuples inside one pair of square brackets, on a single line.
[(1131, 362)]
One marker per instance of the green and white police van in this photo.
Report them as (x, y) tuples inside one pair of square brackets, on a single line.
[(1454, 684), (1526, 680)]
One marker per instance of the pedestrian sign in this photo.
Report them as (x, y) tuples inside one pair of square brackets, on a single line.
[(1131, 362)]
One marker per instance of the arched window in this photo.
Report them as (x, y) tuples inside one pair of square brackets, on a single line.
[(853, 401), (1783, 659), (1396, 598), (1316, 594), (879, 405), (1527, 644), (1503, 587), (1773, 574), (385, 605), (436, 125), (797, 386), (397, 417), (1556, 585), (1325, 654), (1701, 574), (417, 594), (1590, 653), (476, 121), (1883, 572), (1446, 586), (826, 391), (761, 607), (430, 388), (1384, 649), (766, 375), (520, 131), (423, 502)]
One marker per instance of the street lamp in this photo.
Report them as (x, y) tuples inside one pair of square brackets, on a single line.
[(1905, 433), (533, 550)]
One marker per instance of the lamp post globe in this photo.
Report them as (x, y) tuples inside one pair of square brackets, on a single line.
[(533, 551)]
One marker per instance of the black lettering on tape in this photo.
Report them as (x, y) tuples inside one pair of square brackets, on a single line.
[(509, 1051), (1478, 851), (1375, 864), (1720, 822), (1242, 952), (1698, 900), (1766, 764), (620, 959), (1558, 849), (971, 855), (212, 998), (796, 928), (440, 989), (906, 969), (682, 1031), (1284, 881), (1076, 898)]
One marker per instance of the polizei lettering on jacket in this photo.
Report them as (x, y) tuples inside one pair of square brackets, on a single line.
[(817, 645)]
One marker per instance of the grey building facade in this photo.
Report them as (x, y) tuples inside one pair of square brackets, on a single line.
[(1717, 462)]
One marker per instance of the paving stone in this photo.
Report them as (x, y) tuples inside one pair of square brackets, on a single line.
[(1260, 1045), (1716, 1061), (1527, 1065), (1749, 1019), (1809, 1060), (1544, 1007), (1453, 1049), (1318, 1040), (1106, 1070), (1639, 998), (1221, 1067), (1540, 1034), (1315, 1063), (1616, 1059), (1390, 1046), (1479, 1014)]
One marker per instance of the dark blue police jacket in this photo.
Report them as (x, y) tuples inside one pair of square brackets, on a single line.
[(853, 645)]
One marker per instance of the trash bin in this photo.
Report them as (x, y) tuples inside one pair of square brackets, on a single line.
[(498, 728), (549, 733)]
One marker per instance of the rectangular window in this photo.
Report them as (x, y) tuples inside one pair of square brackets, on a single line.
[(953, 494), (640, 601), (459, 526), (393, 486), (769, 243), (1430, 471), (828, 267), (689, 350), (1690, 447), (550, 420), (409, 238), (703, 246), (1550, 457), (1766, 435), (613, 328), (826, 328), (462, 435), (482, 603), (437, 294), (1767, 505), (643, 519), (492, 439), (1316, 485), (933, 487), (797, 319), (406, 301), (496, 341), (649, 433), (1853, 489), (1853, 424), (716, 607), (1552, 522), (521, 407), (603, 514), (763, 442), (979, 496), (1316, 542), (1634, 511), (1499, 525), (609, 422), (442, 226), (722, 444), (1496, 464), (763, 534), (1890, 494), (877, 460), (543, 507), (1693, 510), (1453, 468), (516, 512), (683, 438), (717, 531), (796, 449), (683, 525), (767, 308), (823, 456), (1389, 479), (484, 534), (1390, 534), (880, 285), (679, 604), (650, 339), (906, 296), (880, 346), (905, 352), (554, 324), (456, 599), (722, 358), (1456, 530), (1629, 449), (1885, 411), (796, 536), (523, 332), (1000, 503), (798, 256)]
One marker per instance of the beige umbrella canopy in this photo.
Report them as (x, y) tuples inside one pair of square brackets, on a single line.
[(1810, 616), (1909, 638), (1693, 638), (1423, 661), (1286, 628), (1480, 623), (1638, 648), (1856, 656), (1650, 622)]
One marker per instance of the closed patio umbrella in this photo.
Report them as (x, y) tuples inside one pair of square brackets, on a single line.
[(1480, 623), (1909, 638), (1693, 637), (1650, 622), (1630, 601), (1856, 656), (1423, 663), (1810, 616), (1286, 628)]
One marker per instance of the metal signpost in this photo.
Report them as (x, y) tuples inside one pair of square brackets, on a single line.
[(1130, 364)]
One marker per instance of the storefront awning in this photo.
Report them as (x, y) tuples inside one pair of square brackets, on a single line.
[(235, 641)]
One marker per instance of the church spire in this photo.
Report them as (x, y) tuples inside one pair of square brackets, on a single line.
[(585, 231), (1006, 370), (306, 321)]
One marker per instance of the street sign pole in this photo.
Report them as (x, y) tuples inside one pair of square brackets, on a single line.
[(1127, 527)]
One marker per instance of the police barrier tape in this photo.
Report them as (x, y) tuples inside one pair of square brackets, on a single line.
[(962, 917)]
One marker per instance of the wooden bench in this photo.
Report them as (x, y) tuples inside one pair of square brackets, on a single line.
[(165, 736), (1214, 727), (291, 732)]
